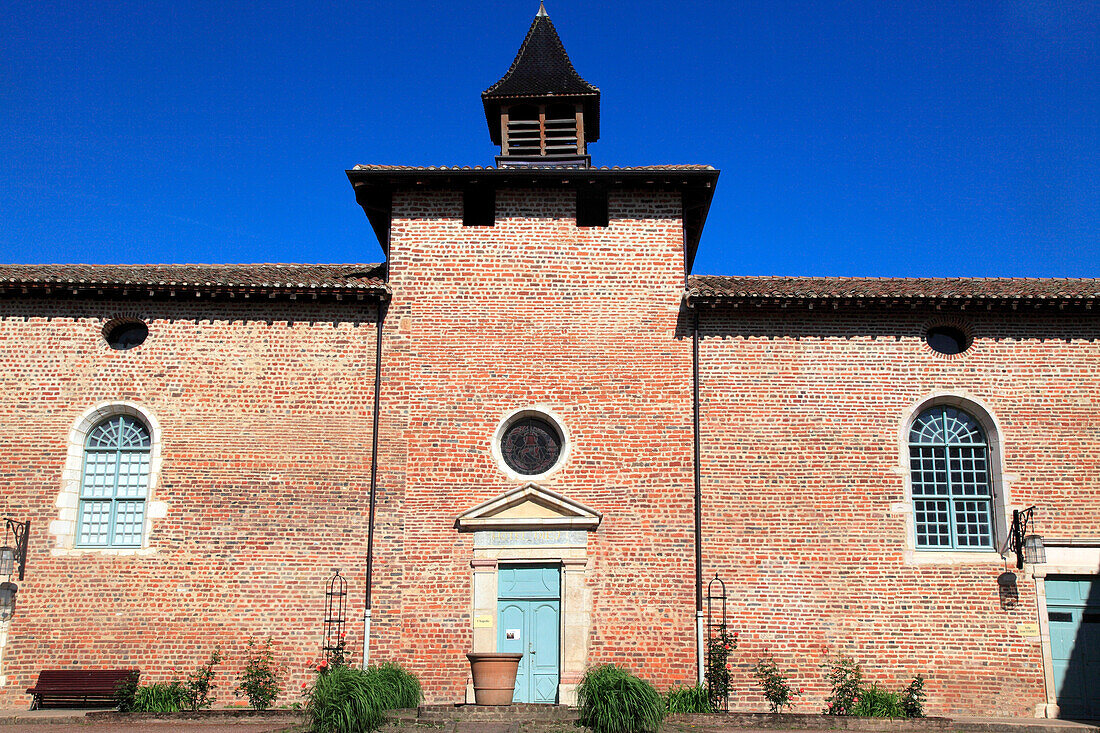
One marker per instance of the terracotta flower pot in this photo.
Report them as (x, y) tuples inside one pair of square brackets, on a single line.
[(494, 676)]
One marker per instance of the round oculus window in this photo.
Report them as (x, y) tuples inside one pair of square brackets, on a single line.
[(531, 446), (947, 339), (126, 335)]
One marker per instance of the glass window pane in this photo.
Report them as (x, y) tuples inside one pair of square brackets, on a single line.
[(99, 475), (129, 518), (933, 523), (95, 520)]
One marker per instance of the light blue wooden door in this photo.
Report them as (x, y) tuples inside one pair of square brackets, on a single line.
[(528, 618), (1073, 609)]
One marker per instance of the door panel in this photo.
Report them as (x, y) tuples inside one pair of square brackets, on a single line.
[(528, 618), (1073, 611)]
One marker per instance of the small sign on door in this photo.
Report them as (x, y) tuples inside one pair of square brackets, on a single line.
[(511, 634)]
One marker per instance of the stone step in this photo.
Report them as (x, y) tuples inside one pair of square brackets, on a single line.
[(524, 712)]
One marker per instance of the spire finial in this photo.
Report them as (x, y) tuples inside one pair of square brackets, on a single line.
[(542, 11)]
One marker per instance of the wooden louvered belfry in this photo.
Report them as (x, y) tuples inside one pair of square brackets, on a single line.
[(541, 112)]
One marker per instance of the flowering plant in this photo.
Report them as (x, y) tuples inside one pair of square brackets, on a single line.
[(336, 656), (718, 667), (200, 683), (777, 690), (259, 681)]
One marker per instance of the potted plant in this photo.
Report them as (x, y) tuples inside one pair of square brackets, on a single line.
[(494, 676)]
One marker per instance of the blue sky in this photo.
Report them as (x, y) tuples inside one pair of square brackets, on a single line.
[(854, 138)]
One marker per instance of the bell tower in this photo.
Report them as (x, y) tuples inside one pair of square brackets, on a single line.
[(541, 112)]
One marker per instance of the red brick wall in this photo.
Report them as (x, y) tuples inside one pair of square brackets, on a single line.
[(266, 407), (801, 417), (265, 412), (537, 311)]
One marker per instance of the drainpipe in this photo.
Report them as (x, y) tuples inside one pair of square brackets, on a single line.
[(700, 631), (373, 482)]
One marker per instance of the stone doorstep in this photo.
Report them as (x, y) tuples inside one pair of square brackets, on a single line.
[(520, 712)]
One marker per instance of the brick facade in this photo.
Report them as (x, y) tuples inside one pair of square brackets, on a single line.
[(803, 417), (257, 383)]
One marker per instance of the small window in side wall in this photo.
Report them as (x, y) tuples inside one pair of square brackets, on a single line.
[(114, 484), (591, 208), (949, 464), (479, 207)]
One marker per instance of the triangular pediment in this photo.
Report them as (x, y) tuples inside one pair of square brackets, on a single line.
[(529, 507)]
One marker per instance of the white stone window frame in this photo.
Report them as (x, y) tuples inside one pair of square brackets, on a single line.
[(68, 499), (1000, 482), (542, 412)]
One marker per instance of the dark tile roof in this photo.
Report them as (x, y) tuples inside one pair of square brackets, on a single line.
[(541, 67), (724, 288), (572, 169), (247, 277)]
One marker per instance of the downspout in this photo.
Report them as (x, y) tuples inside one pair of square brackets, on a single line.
[(700, 630), (373, 482)]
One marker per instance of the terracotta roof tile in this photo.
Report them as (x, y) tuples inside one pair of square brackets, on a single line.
[(353, 277), (716, 287)]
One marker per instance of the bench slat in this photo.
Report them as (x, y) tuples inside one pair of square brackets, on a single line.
[(70, 686)]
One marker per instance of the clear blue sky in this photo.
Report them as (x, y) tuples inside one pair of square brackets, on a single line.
[(854, 138)]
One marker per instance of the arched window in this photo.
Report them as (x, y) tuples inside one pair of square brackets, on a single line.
[(114, 483), (953, 500)]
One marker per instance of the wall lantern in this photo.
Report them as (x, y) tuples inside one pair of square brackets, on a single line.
[(1024, 540), (13, 558)]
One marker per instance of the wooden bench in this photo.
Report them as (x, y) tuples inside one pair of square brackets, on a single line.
[(79, 687)]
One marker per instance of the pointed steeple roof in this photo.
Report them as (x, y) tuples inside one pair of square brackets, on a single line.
[(541, 66), (542, 69)]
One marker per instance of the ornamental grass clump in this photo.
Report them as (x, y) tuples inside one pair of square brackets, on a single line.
[(160, 697), (342, 701), (399, 688), (347, 700), (688, 700), (611, 700), (875, 702)]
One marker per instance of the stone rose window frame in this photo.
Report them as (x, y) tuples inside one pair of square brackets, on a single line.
[(540, 413)]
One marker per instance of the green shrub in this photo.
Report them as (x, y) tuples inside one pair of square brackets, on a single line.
[(912, 698), (125, 691), (777, 691), (346, 700), (875, 702), (611, 700), (200, 683), (845, 676), (688, 700), (341, 701), (259, 681), (399, 688), (161, 697)]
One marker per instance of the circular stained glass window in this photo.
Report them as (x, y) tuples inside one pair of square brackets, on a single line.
[(531, 446)]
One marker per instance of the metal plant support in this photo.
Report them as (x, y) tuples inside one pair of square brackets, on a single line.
[(716, 635), (336, 607)]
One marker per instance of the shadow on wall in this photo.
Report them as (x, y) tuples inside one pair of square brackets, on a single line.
[(258, 310), (799, 322)]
